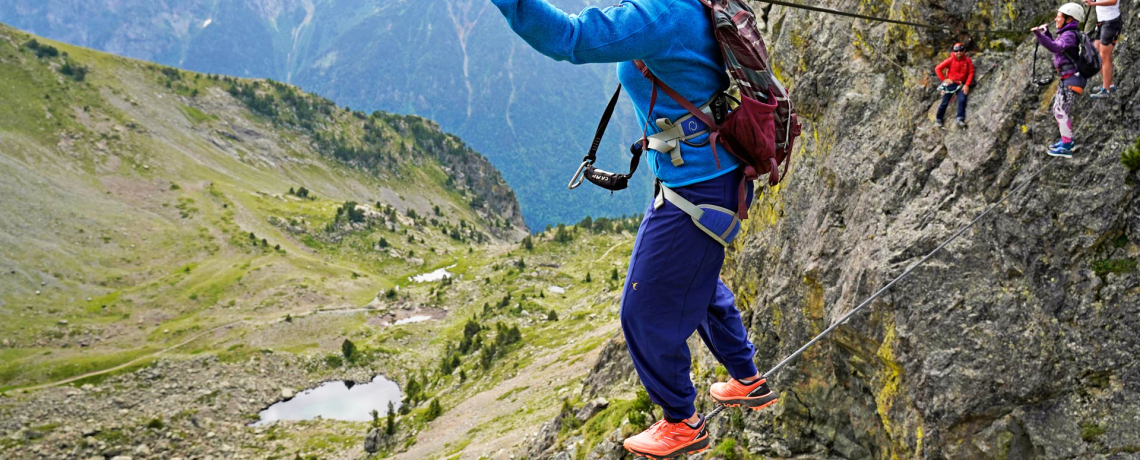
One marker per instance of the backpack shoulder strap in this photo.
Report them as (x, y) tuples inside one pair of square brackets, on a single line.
[(704, 117), (714, 128)]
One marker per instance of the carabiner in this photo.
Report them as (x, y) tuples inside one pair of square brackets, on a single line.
[(578, 176)]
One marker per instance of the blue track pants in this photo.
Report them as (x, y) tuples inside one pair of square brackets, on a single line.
[(673, 288)]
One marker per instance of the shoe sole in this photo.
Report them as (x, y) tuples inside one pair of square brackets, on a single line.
[(755, 403), (1058, 154), (699, 445)]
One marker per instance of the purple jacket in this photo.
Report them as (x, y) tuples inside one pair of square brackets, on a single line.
[(1063, 42)]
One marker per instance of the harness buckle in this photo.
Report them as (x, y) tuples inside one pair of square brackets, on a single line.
[(576, 180)]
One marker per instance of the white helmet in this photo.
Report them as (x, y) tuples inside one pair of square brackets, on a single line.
[(1073, 10)]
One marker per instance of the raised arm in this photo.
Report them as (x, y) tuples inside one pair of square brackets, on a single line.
[(1057, 45), (632, 29)]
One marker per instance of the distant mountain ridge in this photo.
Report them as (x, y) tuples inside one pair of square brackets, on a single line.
[(453, 61)]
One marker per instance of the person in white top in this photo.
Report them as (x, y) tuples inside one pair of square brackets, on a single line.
[(1107, 30)]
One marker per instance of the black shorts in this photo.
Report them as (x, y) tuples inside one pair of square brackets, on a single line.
[(1107, 32)]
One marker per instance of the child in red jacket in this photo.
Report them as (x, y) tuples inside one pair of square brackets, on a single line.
[(956, 73)]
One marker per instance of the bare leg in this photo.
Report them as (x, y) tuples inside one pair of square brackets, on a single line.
[(1106, 66)]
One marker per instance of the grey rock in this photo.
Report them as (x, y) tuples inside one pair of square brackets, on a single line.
[(612, 367), (590, 408), (545, 437), (372, 440), (609, 449)]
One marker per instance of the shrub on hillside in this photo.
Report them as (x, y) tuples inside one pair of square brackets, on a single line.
[(1131, 157), (640, 410), (561, 235), (434, 410), (412, 392), (391, 428), (348, 349), (41, 50), (75, 71), (349, 212)]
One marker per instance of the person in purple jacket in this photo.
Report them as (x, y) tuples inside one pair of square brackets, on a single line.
[(1068, 21)]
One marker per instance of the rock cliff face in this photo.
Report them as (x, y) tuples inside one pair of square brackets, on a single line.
[(1018, 340)]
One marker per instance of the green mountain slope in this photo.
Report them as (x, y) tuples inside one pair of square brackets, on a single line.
[(180, 250), (453, 61), (151, 194)]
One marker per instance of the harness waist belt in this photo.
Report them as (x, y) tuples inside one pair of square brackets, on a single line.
[(682, 129), (721, 224)]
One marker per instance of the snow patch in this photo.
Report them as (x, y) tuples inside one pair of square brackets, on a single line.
[(413, 319), (433, 276), (207, 23), (557, 290), (326, 61)]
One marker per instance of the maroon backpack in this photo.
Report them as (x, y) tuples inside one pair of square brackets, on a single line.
[(761, 131)]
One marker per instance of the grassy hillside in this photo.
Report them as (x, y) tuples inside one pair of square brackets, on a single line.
[(453, 61), (147, 203), (179, 247)]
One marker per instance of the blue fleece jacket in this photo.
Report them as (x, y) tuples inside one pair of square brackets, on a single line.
[(673, 37)]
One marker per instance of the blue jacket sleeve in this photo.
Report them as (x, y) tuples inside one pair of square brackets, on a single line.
[(632, 29)]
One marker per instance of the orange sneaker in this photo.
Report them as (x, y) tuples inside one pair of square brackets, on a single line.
[(735, 394), (666, 440)]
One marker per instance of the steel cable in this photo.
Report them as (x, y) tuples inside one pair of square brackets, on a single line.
[(892, 21)]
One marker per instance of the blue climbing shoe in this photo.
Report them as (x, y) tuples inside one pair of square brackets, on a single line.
[(1056, 144), (1101, 93), (1065, 150)]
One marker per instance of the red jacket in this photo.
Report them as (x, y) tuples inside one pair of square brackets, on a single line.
[(960, 70)]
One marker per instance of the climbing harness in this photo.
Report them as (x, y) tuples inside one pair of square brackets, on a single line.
[(682, 130), (721, 224), (949, 89), (772, 372)]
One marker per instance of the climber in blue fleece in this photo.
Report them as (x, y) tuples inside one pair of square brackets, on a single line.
[(672, 287)]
